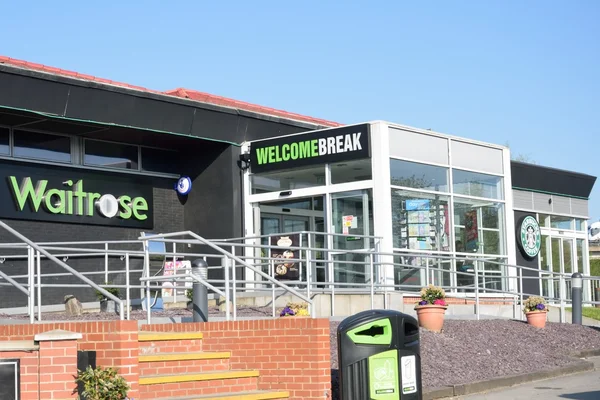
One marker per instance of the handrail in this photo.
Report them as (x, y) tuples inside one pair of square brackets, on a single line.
[(233, 257), (65, 266)]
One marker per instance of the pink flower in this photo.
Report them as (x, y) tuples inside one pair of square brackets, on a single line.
[(440, 302)]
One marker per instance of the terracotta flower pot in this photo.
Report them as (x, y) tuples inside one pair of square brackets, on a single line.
[(536, 318), (431, 316)]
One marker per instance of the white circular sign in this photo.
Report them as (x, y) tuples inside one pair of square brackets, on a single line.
[(107, 205), (184, 185)]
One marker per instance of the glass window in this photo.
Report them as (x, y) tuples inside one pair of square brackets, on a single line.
[(42, 146), (112, 155), (580, 255), (359, 170), (418, 176), (579, 225), (476, 184), (157, 160), (4, 143), (544, 220), (479, 227), (420, 221), (288, 180), (558, 222)]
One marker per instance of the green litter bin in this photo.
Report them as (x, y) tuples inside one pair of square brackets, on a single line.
[(379, 356)]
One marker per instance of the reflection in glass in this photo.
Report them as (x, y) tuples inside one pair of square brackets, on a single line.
[(420, 221), (158, 160), (556, 260), (544, 220), (112, 155), (42, 146), (545, 257), (4, 141), (580, 255), (477, 184), (558, 222), (479, 226), (288, 180), (579, 225), (418, 176), (351, 171)]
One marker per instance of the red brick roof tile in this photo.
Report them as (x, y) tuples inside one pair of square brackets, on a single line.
[(179, 92)]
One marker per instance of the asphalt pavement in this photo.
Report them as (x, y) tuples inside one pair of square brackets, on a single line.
[(584, 386)]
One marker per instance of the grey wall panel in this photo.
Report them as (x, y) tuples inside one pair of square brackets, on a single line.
[(477, 157), (541, 203), (580, 207), (561, 205), (418, 146), (522, 200)]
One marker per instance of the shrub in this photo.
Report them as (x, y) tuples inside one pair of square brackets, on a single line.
[(103, 384), (113, 291)]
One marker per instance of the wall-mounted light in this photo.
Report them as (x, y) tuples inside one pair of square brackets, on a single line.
[(244, 162)]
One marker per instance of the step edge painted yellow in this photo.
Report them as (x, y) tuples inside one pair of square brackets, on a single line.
[(265, 395), (162, 357), (252, 396), (165, 336), (209, 376)]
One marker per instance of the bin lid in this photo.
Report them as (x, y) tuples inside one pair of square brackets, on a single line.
[(371, 327)]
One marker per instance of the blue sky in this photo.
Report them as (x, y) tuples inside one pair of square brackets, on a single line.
[(522, 73)]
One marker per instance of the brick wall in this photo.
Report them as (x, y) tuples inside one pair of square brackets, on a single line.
[(291, 354), (115, 343)]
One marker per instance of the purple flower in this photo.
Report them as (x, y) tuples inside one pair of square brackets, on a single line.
[(422, 302), (286, 311), (540, 307)]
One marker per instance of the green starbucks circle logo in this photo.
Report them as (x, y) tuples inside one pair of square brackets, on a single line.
[(531, 238)]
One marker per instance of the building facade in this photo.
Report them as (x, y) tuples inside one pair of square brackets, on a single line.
[(89, 160)]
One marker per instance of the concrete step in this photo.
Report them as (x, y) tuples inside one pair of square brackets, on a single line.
[(183, 363), (152, 343), (255, 395), (197, 384)]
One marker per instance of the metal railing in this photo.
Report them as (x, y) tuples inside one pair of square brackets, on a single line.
[(325, 264)]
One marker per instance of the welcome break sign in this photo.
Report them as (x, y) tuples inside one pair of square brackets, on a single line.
[(319, 147)]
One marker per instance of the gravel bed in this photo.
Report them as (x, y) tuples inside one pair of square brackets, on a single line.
[(470, 351)]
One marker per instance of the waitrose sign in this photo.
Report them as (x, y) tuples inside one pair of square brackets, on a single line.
[(73, 200), (319, 147), (82, 197)]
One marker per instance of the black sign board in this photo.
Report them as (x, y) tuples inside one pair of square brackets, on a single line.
[(71, 195), (284, 268), (10, 387), (319, 147)]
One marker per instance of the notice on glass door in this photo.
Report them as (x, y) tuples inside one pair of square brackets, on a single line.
[(348, 222)]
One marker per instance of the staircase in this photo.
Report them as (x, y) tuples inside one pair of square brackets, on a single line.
[(173, 366)]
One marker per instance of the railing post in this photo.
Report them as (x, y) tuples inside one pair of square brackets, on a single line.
[(174, 272), (31, 284), (39, 285), (106, 262), (127, 282), (426, 271), (234, 289), (225, 265), (476, 265), (147, 275), (576, 298), (563, 317), (521, 291), (372, 282), (311, 308)]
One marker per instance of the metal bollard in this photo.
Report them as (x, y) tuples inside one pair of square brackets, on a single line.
[(200, 293), (576, 297)]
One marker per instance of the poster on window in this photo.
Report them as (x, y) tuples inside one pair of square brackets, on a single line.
[(176, 268), (471, 231), (284, 265)]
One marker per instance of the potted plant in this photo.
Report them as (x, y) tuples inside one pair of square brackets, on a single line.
[(536, 311), (432, 308), (102, 384), (190, 296), (105, 303), (295, 310)]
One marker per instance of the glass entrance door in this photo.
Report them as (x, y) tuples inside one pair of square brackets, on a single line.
[(557, 256), (352, 217)]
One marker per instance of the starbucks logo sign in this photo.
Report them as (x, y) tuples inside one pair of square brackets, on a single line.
[(531, 238)]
